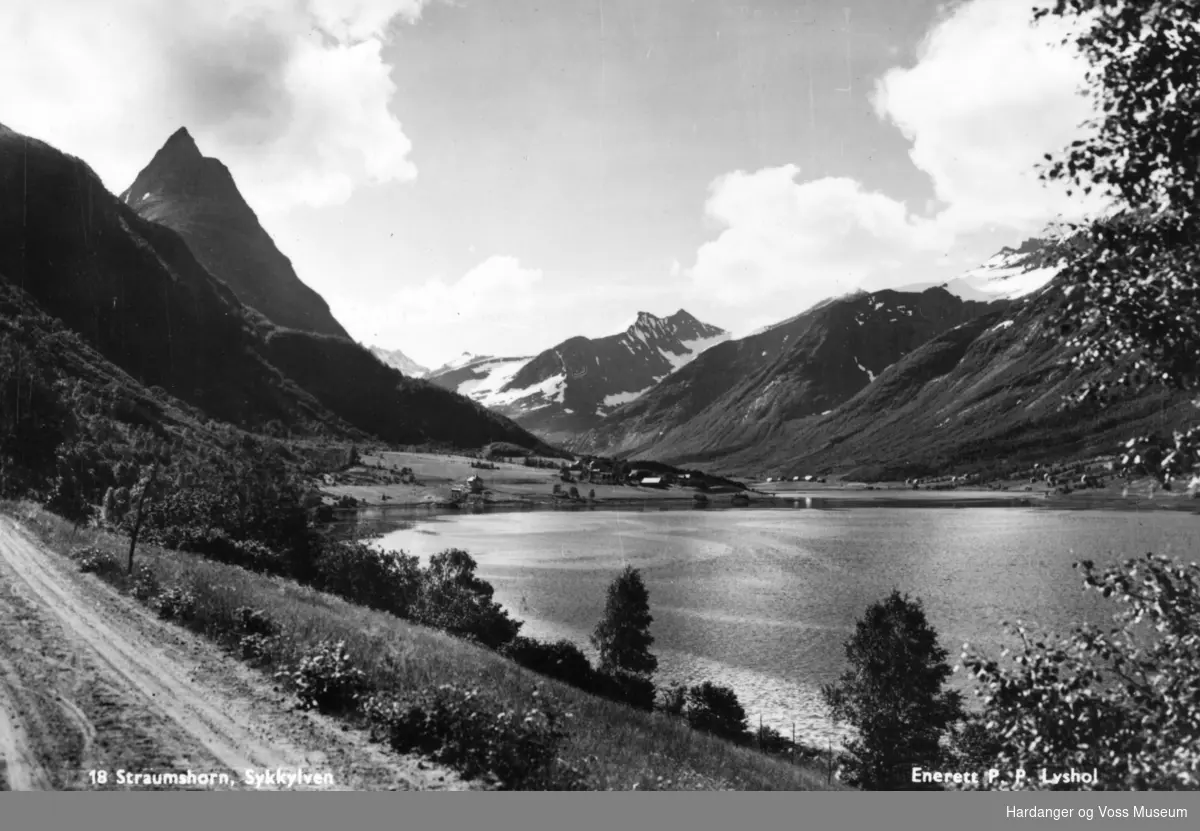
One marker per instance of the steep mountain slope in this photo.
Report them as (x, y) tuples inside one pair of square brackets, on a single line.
[(479, 377), (134, 291), (739, 392), (398, 360), (1009, 274), (569, 388), (196, 197), (984, 393)]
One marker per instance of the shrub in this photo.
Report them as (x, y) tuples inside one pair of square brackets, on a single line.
[(562, 660), (93, 560), (673, 699), (715, 709), (387, 581), (257, 648), (216, 544), (326, 680), (1123, 700), (144, 585), (258, 635), (477, 736), (627, 688), (254, 621), (454, 600), (176, 603)]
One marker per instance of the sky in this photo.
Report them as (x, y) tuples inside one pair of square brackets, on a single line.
[(494, 176)]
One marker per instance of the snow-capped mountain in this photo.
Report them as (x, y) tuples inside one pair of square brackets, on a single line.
[(804, 366), (1009, 274), (398, 360), (569, 388)]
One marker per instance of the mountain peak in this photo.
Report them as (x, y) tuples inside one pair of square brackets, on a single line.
[(196, 196), (181, 135), (179, 150)]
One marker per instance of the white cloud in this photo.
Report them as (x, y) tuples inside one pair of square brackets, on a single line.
[(293, 95), (798, 242), (438, 319), (989, 94), (501, 308)]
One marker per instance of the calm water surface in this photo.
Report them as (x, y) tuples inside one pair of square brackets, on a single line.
[(763, 600)]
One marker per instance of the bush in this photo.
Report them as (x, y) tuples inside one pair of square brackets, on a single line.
[(769, 740), (1122, 700), (714, 709), (259, 637), (386, 581), (92, 560), (326, 680), (176, 603), (626, 688), (144, 585), (673, 699), (254, 621), (257, 649), (477, 736), (561, 660), (454, 600), (216, 544)]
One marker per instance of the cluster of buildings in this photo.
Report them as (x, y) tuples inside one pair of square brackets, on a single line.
[(616, 472)]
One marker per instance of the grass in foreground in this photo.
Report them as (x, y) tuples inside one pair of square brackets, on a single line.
[(612, 745)]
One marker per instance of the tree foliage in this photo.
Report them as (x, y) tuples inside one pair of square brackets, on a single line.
[(622, 636), (1133, 283), (893, 695), (453, 599), (715, 709), (1125, 701)]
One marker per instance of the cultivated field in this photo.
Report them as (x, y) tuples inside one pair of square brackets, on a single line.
[(509, 484)]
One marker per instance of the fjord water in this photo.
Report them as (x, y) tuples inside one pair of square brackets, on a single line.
[(763, 600)]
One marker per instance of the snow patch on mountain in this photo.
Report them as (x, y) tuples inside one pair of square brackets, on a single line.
[(617, 399), (398, 360), (497, 373)]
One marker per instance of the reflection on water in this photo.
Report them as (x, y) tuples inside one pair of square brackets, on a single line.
[(763, 600)]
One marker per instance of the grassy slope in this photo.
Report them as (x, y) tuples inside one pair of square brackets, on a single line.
[(619, 748)]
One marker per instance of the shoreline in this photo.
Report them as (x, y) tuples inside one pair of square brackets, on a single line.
[(422, 483), (826, 501)]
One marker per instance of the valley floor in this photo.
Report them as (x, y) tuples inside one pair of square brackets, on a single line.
[(374, 483), (91, 684)]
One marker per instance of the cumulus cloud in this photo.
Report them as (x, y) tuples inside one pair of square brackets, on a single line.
[(799, 242), (438, 318), (988, 95), (292, 94)]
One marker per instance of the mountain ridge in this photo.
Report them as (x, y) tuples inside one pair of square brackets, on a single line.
[(569, 387), (399, 361), (196, 196), (806, 364), (134, 291)]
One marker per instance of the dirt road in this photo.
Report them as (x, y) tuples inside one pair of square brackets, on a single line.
[(93, 687)]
